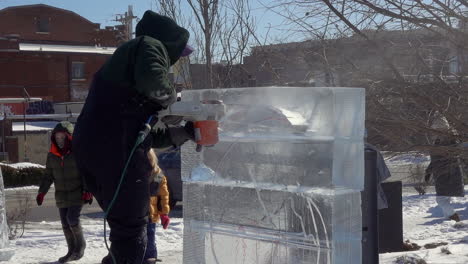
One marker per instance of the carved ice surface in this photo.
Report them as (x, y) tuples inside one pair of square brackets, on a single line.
[(5, 252), (283, 184), (202, 173)]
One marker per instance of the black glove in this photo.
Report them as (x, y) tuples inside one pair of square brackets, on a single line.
[(180, 135), (172, 120), (190, 129)]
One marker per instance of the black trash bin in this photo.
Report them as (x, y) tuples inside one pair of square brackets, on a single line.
[(382, 229), (391, 219)]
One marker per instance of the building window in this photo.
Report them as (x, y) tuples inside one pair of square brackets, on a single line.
[(42, 24), (77, 71)]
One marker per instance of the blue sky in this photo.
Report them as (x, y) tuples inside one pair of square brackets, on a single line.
[(104, 11)]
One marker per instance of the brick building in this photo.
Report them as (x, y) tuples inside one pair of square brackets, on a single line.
[(50, 52), (346, 61)]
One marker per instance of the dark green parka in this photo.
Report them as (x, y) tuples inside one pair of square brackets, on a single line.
[(62, 171), (144, 62)]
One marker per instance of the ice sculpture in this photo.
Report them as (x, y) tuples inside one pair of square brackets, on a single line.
[(5, 252), (283, 184)]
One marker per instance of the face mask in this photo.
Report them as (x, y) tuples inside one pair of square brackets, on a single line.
[(60, 139)]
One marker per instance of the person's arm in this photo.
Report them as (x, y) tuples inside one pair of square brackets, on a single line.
[(172, 136), (151, 73), (45, 183), (86, 196), (47, 179), (163, 197), (161, 138)]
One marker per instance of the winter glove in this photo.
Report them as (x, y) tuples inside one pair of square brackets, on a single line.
[(87, 197), (179, 135), (163, 98), (172, 120), (40, 198), (165, 221)]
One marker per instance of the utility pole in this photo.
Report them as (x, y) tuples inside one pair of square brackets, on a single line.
[(126, 21)]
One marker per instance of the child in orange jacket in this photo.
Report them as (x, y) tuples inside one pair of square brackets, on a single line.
[(159, 207)]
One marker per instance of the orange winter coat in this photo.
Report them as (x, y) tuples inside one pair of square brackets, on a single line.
[(159, 203)]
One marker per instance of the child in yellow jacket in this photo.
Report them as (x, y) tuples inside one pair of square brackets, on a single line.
[(159, 207)]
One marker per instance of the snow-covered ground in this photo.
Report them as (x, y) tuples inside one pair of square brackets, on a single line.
[(44, 243), (423, 224)]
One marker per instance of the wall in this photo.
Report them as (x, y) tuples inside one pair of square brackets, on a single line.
[(46, 74), (64, 26), (37, 147)]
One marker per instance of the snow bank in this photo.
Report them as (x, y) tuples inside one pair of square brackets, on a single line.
[(34, 126), (22, 165), (406, 158), (23, 188)]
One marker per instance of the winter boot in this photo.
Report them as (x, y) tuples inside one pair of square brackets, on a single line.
[(80, 242), (70, 238), (127, 252), (150, 261), (107, 260), (455, 217)]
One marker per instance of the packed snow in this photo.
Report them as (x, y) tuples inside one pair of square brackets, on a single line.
[(44, 242), (423, 224)]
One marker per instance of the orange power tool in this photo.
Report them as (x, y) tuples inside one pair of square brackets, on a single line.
[(204, 115)]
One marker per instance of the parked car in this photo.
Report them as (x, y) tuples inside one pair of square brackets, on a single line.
[(169, 162)]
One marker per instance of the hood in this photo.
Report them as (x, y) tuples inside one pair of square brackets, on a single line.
[(166, 30), (66, 127), (63, 126)]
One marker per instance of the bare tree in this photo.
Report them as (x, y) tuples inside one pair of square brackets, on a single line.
[(172, 9), (236, 31), (206, 13), (401, 52), (221, 33)]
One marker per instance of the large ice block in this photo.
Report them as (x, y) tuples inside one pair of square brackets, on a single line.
[(313, 134), (284, 225), (283, 184)]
